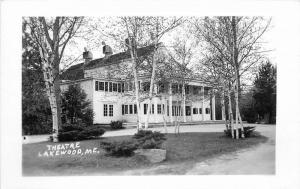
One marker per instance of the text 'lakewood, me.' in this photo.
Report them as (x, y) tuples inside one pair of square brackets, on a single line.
[(67, 149)]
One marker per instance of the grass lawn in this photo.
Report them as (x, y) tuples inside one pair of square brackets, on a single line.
[(184, 149)]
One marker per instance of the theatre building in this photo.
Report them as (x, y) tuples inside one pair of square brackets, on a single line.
[(112, 95)]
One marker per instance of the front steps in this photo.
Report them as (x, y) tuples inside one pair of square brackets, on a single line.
[(161, 124)]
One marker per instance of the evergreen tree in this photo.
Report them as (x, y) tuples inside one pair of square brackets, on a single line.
[(75, 107), (265, 92)]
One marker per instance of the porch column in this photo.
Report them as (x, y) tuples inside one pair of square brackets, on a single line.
[(213, 106), (170, 102), (203, 110)]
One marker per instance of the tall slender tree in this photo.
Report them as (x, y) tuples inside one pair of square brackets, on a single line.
[(52, 35)]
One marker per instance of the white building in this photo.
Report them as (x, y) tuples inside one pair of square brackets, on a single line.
[(112, 96)]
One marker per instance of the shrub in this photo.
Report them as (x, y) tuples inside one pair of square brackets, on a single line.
[(75, 133), (71, 127), (120, 148), (149, 140), (247, 132), (115, 125)]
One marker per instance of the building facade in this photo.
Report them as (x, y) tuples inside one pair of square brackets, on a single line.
[(111, 92)]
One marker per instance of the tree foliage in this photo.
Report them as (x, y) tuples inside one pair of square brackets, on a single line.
[(265, 91), (76, 107)]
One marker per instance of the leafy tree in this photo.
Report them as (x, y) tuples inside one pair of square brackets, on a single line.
[(36, 112), (265, 92), (51, 36), (76, 107)]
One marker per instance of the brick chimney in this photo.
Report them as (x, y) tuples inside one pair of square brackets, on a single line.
[(107, 51), (87, 56)]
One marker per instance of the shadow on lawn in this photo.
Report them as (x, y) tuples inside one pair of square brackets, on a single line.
[(184, 148)]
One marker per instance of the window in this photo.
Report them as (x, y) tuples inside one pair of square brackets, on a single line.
[(173, 110), (119, 87), (207, 110), (123, 109), (111, 110), (195, 110), (105, 110), (130, 86), (180, 89), (152, 110), (146, 86), (122, 87), (110, 86), (106, 86), (115, 87), (195, 90), (164, 111), (145, 108), (130, 109), (101, 86), (96, 85), (126, 109), (187, 110), (206, 91), (174, 88), (135, 109), (168, 110), (200, 110), (161, 88), (187, 89), (158, 108)]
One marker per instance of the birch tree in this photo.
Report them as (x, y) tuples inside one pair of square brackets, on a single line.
[(52, 36), (238, 41)]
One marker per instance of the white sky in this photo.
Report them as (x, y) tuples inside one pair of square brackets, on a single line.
[(75, 48)]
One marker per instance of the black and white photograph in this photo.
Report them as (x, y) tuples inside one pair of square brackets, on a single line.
[(147, 94)]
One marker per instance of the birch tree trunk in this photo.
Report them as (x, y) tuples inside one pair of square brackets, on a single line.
[(151, 88), (50, 90), (230, 114), (183, 102), (223, 108)]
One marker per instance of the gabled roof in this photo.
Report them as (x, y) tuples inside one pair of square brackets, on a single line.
[(73, 73), (77, 72), (117, 58)]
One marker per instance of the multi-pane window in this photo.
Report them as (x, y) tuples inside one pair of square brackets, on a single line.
[(146, 86), (195, 110), (206, 91), (174, 88), (96, 85), (115, 87), (200, 110), (135, 109), (110, 86), (152, 109), (130, 109), (145, 108), (187, 110), (130, 86), (168, 110), (207, 110), (196, 90), (158, 108), (187, 89), (106, 86), (119, 87), (111, 110), (122, 87), (161, 88), (101, 86), (126, 109), (105, 110)]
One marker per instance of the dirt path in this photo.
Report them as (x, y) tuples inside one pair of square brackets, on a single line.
[(256, 160)]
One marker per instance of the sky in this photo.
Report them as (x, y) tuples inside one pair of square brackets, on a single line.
[(99, 27)]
